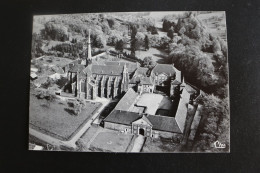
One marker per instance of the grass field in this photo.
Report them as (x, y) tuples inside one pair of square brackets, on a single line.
[(156, 54), (52, 118), (160, 146), (53, 61), (111, 141)]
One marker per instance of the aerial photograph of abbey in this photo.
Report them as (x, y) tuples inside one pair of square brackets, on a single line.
[(149, 82)]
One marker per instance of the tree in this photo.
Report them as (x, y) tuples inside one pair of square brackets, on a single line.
[(146, 42), (167, 25), (133, 40), (215, 125), (148, 62), (119, 46), (170, 33)]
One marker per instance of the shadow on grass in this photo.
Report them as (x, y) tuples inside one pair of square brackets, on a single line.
[(70, 111)]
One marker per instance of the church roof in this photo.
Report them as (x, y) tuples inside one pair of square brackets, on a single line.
[(164, 68), (107, 69), (131, 67)]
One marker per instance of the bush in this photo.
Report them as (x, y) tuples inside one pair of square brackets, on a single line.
[(45, 95), (152, 29), (54, 32)]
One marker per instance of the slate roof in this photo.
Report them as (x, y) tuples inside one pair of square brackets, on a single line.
[(127, 100), (164, 68), (161, 123), (107, 69), (122, 117), (146, 120), (164, 123), (190, 89), (141, 71), (131, 67), (177, 75), (146, 81), (141, 80), (182, 109)]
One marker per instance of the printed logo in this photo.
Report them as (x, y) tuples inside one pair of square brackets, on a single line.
[(218, 144)]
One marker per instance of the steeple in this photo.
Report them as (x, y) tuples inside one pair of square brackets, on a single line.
[(125, 79), (89, 46)]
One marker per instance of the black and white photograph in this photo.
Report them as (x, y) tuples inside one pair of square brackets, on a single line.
[(130, 82)]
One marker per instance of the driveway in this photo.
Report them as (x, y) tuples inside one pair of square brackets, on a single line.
[(138, 143)]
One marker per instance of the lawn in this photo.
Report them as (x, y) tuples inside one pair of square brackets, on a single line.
[(54, 61), (156, 54), (160, 146), (111, 141), (52, 118)]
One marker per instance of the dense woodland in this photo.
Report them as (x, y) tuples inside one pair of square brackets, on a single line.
[(200, 55)]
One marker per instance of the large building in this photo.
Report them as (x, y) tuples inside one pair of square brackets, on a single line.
[(141, 110), (89, 79)]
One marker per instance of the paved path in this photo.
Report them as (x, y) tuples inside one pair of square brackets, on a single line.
[(73, 140), (139, 142)]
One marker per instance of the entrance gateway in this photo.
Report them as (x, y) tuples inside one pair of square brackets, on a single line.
[(141, 131)]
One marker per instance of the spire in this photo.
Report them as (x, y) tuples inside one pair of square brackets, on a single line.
[(125, 69), (89, 46)]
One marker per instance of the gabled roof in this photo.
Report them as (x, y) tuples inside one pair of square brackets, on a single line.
[(182, 109), (141, 71), (107, 69), (160, 123), (142, 80), (146, 81), (177, 75), (127, 100), (176, 82), (164, 68), (164, 123), (190, 89), (122, 117), (131, 67), (144, 118)]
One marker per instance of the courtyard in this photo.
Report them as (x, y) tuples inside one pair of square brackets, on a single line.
[(52, 118), (153, 104)]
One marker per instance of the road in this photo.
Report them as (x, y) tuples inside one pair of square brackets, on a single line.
[(73, 140), (139, 142)]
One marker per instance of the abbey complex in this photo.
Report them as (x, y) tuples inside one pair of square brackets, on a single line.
[(129, 82), (89, 79)]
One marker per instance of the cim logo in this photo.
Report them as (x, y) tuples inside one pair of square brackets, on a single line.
[(218, 144)]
